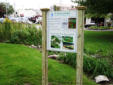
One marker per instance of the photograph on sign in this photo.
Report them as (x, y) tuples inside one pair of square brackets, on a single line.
[(72, 23), (68, 43), (55, 41)]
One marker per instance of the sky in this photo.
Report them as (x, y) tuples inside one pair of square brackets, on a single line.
[(37, 4)]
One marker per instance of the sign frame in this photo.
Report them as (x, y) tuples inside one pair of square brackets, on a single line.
[(80, 46)]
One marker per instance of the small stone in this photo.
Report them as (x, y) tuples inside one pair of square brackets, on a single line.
[(101, 78), (27, 84), (33, 46), (53, 56)]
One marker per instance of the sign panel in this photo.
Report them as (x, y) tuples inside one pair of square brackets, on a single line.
[(62, 31)]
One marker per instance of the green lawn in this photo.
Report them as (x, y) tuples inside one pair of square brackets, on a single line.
[(20, 64), (99, 43)]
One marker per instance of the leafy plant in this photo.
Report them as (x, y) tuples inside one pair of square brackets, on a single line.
[(92, 66), (6, 29), (100, 27), (20, 33)]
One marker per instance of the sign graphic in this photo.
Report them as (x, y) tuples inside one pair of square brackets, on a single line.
[(62, 31)]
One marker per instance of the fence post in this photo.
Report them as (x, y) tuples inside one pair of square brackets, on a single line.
[(80, 45), (44, 47)]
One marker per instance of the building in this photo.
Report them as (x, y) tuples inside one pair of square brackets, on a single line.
[(99, 21)]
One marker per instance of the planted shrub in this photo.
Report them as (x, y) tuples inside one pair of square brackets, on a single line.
[(95, 66), (27, 36), (68, 58), (94, 27), (20, 33), (5, 30), (92, 66), (103, 27), (20, 36), (1, 33), (35, 36), (100, 27)]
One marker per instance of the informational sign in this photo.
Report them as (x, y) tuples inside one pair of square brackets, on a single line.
[(62, 31)]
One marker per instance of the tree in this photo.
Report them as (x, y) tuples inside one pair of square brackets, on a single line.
[(98, 7), (56, 8), (10, 9)]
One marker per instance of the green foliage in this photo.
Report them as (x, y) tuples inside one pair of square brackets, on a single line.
[(10, 9), (92, 66), (97, 8), (95, 15), (93, 27), (27, 36), (95, 66), (56, 8), (20, 36), (5, 30), (97, 44), (68, 58), (100, 27), (20, 33)]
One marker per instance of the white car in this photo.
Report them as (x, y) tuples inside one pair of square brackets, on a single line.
[(39, 20), (13, 19), (20, 19), (90, 24)]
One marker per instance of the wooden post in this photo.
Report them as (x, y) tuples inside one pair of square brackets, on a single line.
[(44, 47), (80, 45)]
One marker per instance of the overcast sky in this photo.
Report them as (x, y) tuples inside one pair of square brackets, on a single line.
[(36, 4)]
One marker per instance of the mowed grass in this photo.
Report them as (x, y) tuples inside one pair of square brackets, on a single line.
[(99, 43), (20, 65)]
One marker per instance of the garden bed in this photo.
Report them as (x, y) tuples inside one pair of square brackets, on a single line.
[(99, 28)]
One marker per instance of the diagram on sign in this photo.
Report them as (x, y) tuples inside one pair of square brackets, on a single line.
[(62, 31)]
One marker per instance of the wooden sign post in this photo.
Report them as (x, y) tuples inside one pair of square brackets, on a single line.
[(80, 45), (44, 48), (79, 36)]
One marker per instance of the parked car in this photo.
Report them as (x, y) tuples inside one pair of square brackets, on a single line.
[(35, 19), (25, 20), (20, 19), (89, 25), (32, 19), (13, 19), (39, 20)]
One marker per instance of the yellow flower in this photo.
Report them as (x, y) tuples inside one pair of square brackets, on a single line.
[(7, 21)]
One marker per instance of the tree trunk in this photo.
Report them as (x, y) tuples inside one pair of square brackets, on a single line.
[(112, 20)]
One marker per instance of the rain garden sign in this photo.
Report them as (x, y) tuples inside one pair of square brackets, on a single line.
[(62, 31)]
